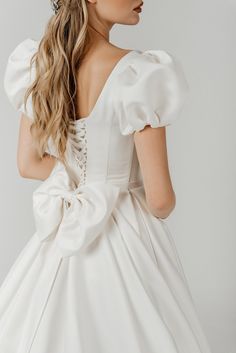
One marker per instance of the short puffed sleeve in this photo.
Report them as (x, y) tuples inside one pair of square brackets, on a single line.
[(18, 75), (150, 89)]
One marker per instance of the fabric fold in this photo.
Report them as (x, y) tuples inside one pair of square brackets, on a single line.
[(73, 217)]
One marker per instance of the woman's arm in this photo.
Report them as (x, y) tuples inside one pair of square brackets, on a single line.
[(28, 162), (151, 150)]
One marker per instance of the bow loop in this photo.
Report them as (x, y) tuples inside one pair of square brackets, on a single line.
[(73, 218)]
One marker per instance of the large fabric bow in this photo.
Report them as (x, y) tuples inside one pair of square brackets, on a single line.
[(73, 218)]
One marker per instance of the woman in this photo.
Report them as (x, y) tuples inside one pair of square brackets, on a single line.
[(101, 273)]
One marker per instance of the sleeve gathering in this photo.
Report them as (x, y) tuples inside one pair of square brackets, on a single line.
[(151, 90)]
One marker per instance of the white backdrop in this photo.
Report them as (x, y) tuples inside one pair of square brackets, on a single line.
[(201, 146)]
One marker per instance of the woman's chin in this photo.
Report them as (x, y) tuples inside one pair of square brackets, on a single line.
[(135, 16)]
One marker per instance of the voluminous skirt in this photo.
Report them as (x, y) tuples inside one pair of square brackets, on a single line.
[(124, 292)]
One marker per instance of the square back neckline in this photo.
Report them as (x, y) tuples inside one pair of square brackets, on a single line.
[(106, 84)]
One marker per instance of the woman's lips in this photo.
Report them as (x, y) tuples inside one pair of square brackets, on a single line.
[(138, 8)]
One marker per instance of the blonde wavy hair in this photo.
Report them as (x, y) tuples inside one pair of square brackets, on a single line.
[(54, 89)]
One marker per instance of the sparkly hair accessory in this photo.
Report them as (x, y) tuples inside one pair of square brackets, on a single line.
[(55, 5)]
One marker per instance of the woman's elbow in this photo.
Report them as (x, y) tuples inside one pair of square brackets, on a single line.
[(22, 171), (162, 209), (23, 166)]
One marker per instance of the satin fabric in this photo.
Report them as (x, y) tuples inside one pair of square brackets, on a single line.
[(74, 216), (122, 285), (101, 273)]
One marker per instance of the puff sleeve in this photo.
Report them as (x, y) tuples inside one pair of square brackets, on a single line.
[(151, 90), (18, 75)]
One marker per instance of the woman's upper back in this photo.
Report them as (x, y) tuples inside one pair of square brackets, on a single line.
[(93, 72)]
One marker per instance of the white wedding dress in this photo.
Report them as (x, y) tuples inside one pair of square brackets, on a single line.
[(101, 274)]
